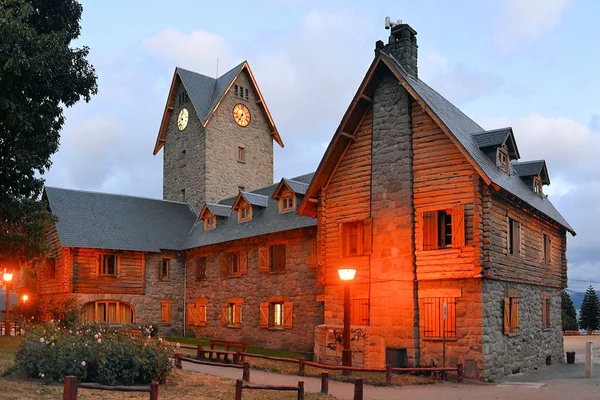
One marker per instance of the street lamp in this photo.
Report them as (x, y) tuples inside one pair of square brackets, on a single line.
[(7, 278), (346, 275)]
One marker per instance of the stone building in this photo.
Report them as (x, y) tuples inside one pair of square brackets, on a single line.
[(451, 235), (454, 242)]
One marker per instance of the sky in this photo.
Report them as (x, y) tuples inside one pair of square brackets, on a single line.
[(528, 64)]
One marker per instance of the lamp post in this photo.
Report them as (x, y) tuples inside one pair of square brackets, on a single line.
[(346, 275), (7, 278)]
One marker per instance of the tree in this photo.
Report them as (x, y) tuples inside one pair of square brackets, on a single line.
[(40, 74), (589, 315), (569, 316)]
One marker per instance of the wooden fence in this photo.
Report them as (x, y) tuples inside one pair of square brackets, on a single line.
[(72, 385), (240, 385)]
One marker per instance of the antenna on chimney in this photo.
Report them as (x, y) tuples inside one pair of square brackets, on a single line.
[(390, 24)]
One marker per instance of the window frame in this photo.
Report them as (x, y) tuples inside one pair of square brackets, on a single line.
[(245, 213), (436, 233), (233, 270), (538, 187), (234, 314), (273, 248), (200, 268), (434, 314), (287, 203), (161, 266), (273, 320), (503, 159), (514, 233), (210, 222), (442, 234), (241, 156), (547, 249), (106, 303), (346, 244), (101, 269)]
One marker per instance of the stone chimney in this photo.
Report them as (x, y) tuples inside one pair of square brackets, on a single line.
[(402, 45)]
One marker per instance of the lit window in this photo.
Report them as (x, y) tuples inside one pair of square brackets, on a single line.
[(277, 314), (108, 264), (165, 268), (234, 314), (241, 154)]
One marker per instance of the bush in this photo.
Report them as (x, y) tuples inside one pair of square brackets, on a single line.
[(93, 353)]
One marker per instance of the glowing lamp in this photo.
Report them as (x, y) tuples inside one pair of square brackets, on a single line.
[(7, 277), (346, 274), (25, 298)]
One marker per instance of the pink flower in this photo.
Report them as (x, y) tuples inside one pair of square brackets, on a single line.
[(41, 340), (99, 340), (96, 336), (83, 363), (178, 345)]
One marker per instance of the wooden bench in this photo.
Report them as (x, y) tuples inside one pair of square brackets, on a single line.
[(571, 333), (241, 346), (215, 354)]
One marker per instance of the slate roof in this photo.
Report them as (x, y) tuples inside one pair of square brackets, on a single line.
[(264, 220), (255, 199), (112, 221), (532, 168), (297, 187), (205, 92), (464, 130), (219, 210)]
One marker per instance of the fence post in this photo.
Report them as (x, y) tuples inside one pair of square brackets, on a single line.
[(154, 391), (301, 366), (179, 360), (300, 390), (388, 374), (238, 390), (460, 373), (325, 382), (199, 352), (589, 348), (358, 389), (70, 389), (246, 372), (236, 357)]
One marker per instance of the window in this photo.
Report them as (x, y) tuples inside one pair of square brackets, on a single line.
[(51, 267), (245, 213), (537, 185), (439, 317), (234, 263), (183, 195), (546, 304), (107, 311), (165, 268), (277, 258), (165, 312), (236, 90), (514, 237), (246, 93), (359, 312), (287, 203), (201, 268), (210, 223), (352, 239), (232, 314), (547, 248), (442, 229), (511, 313), (183, 158), (277, 314), (241, 157), (108, 264), (196, 312), (502, 159), (183, 97)]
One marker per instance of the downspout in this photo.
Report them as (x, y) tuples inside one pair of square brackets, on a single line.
[(184, 293)]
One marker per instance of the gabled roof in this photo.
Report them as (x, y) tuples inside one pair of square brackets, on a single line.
[(218, 210), (205, 94), (526, 169), (461, 130), (113, 221), (257, 200), (264, 220), (295, 186), (498, 137)]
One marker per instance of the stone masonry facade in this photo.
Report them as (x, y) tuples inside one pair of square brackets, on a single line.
[(515, 352), (297, 284)]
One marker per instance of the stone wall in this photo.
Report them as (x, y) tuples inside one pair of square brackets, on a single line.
[(185, 170), (527, 349), (296, 284), (224, 173)]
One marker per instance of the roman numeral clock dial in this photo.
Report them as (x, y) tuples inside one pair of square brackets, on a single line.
[(241, 115), (182, 119)]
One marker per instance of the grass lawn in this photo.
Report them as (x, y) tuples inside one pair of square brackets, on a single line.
[(184, 385)]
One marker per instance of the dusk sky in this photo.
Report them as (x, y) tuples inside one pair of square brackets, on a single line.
[(529, 64)]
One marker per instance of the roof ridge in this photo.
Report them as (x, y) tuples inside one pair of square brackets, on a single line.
[(493, 130), (528, 162), (115, 194)]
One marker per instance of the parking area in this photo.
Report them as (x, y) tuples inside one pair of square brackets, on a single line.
[(577, 344)]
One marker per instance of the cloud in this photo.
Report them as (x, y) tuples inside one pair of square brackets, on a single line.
[(522, 22)]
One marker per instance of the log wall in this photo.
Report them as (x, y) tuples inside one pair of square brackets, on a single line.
[(130, 278)]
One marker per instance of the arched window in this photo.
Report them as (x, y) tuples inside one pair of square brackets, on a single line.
[(110, 311)]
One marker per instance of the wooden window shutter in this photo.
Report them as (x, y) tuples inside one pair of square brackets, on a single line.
[(458, 227), (312, 254), (237, 315), (288, 313), (243, 262), (506, 315), (99, 267), (191, 314), (224, 265), (518, 238), (430, 230), (200, 314), (367, 235), (263, 258), (264, 315), (224, 314), (341, 239), (514, 323)]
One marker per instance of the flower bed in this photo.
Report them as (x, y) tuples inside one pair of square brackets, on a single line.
[(94, 353)]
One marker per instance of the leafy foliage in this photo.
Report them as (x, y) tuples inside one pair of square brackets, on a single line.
[(569, 316), (40, 74), (589, 316), (94, 353)]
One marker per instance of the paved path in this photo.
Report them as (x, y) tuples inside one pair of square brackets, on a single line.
[(518, 387)]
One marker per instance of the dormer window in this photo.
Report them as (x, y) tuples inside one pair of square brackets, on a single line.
[(287, 203), (537, 185), (502, 159), (245, 213), (210, 222)]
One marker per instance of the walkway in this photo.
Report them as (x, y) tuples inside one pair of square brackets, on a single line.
[(535, 389)]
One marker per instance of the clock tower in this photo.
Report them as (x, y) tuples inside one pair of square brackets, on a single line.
[(217, 136)]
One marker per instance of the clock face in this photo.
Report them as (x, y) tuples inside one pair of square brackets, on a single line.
[(182, 119), (241, 115)]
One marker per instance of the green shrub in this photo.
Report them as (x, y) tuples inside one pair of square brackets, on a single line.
[(94, 353)]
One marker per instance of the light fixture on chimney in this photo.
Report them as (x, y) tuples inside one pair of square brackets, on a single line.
[(390, 24)]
